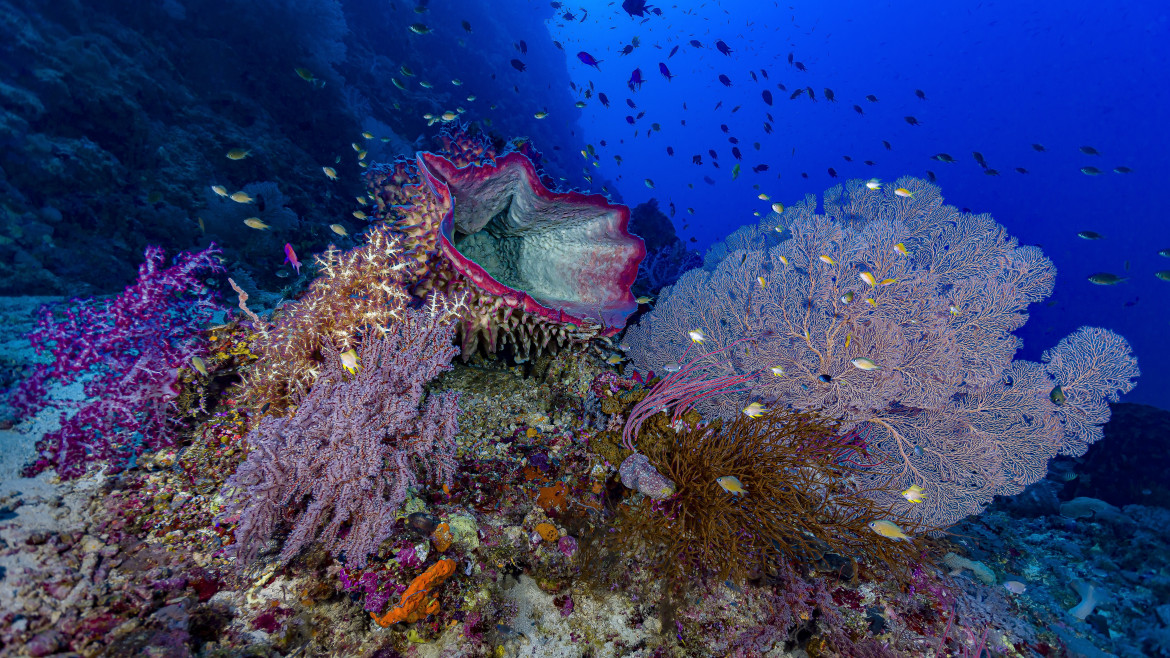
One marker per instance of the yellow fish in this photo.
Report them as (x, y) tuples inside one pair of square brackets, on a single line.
[(826, 259), (220, 190), (864, 364), (457, 82), (202, 227), (368, 135), (697, 335), (255, 222), (871, 301), (903, 192), (339, 229), (305, 74), (731, 485), (199, 365), (362, 200), (848, 337), (540, 115), (954, 310), (888, 529), (238, 154), (874, 184), (761, 280), (330, 172), (356, 146), (901, 248), (448, 116), (754, 410), (614, 359), (778, 371), (241, 197), (868, 278), (644, 299), (778, 208), (847, 298), (763, 197), (359, 214), (887, 282), (914, 494), (784, 260), (349, 361)]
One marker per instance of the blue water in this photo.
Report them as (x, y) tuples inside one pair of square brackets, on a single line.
[(997, 76)]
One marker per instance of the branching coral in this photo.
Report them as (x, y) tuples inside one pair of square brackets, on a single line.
[(342, 463), (127, 351), (895, 314)]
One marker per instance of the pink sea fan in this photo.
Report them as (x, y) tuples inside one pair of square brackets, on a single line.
[(343, 461), (929, 295)]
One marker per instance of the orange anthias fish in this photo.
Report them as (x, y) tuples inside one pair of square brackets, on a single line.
[(290, 257)]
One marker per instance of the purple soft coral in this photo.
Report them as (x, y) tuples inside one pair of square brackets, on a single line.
[(127, 351)]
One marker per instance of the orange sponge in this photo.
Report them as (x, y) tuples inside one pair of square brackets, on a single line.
[(416, 601)]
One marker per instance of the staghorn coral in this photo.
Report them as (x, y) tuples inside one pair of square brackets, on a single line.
[(358, 289), (946, 408), (799, 503), (353, 447), (127, 351)]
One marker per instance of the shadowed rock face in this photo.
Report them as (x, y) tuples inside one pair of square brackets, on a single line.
[(568, 257)]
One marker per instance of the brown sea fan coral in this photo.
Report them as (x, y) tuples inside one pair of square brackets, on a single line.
[(800, 503)]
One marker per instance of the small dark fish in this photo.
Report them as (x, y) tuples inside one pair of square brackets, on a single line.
[(920, 94), (723, 48), (979, 158), (518, 65), (1038, 147), (764, 73), (754, 78), (672, 52), (713, 154), (635, 7), (1089, 150), (626, 50), (695, 43), (871, 98), (991, 172), (847, 158), (466, 26), (559, 45), (942, 157), (809, 91), (803, 174), (735, 152), (629, 119), (929, 174), (725, 80), (522, 47), (630, 102), (1122, 170), (767, 96), (832, 172), (800, 66), (825, 378), (887, 145), (1057, 396), (830, 96), (1021, 170), (790, 56), (724, 128), (795, 94), (1089, 235), (760, 167), (781, 87), (1090, 171), (589, 60), (670, 150), (912, 121), (635, 81), (733, 140), (672, 209), (603, 98), (1106, 279), (767, 128), (857, 109), (872, 163), (697, 159)]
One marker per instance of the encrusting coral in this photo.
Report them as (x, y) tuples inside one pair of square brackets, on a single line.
[(418, 600)]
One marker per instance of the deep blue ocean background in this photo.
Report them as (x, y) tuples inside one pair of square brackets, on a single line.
[(997, 76)]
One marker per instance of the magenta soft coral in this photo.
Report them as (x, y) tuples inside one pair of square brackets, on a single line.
[(127, 350)]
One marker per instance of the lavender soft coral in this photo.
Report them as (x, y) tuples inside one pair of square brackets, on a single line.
[(127, 351)]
